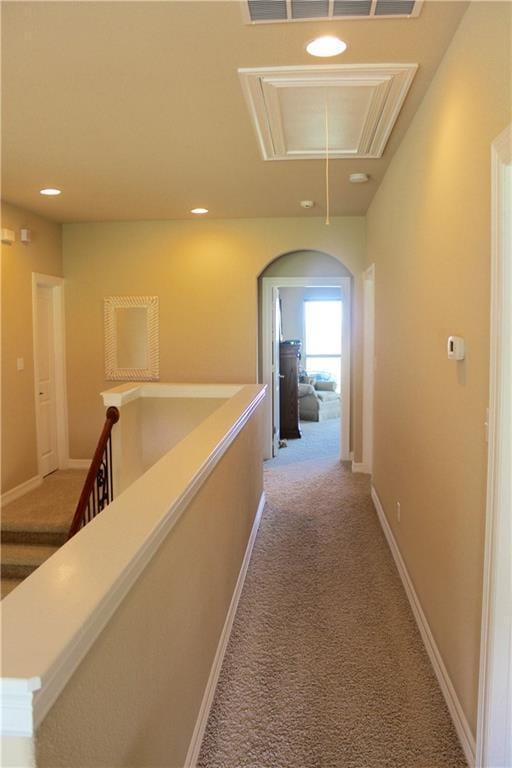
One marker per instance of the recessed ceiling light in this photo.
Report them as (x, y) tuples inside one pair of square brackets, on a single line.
[(199, 210), (50, 191), (326, 46)]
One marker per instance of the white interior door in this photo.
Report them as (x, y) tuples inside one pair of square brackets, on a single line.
[(45, 380), (276, 338)]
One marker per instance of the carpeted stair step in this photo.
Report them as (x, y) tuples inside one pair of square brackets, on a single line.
[(20, 560), (47, 536), (43, 516), (7, 586)]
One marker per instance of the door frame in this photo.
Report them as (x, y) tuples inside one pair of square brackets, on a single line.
[(368, 368), (494, 740), (59, 338), (276, 370), (345, 286)]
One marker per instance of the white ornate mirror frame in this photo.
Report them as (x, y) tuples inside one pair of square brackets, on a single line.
[(151, 370)]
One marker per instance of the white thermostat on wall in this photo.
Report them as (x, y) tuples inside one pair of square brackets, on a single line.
[(455, 348)]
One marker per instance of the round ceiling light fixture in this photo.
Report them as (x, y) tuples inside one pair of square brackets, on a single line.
[(199, 211), (50, 191), (326, 46), (359, 178)]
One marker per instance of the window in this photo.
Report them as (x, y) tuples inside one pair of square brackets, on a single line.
[(322, 338)]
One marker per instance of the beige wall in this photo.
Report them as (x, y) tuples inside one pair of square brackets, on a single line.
[(42, 254), (205, 274), (149, 427), (429, 236), (135, 698), (307, 264), (166, 421)]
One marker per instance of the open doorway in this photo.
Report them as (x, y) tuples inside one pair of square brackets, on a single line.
[(306, 365)]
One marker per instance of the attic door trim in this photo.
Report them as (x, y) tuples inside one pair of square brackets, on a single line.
[(262, 87)]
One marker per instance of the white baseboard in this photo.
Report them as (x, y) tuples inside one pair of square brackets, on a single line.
[(78, 463), (204, 711), (360, 467), (460, 722), (21, 489)]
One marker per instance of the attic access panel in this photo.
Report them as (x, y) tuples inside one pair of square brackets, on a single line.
[(268, 11), (288, 108)]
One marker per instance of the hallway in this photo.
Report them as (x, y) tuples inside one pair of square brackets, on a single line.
[(325, 666)]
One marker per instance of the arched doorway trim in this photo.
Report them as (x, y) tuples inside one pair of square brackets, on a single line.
[(336, 260)]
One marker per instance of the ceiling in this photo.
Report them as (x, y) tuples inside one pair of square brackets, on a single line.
[(136, 111)]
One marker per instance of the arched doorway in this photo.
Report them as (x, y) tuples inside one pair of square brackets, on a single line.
[(318, 277)]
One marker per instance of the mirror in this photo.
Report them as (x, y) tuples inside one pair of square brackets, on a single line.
[(131, 338), (132, 343)]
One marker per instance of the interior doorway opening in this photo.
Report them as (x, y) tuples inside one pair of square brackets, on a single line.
[(305, 360)]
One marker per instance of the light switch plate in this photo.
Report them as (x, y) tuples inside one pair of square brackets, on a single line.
[(8, 236)]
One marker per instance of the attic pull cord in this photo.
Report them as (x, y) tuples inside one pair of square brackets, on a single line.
[(327, 202)]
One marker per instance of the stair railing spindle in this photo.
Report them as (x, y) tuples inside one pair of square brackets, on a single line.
[(97, 492)]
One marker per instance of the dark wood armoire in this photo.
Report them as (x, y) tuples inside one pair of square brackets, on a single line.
[(289, 356)]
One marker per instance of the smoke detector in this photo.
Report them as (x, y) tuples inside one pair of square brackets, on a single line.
[(359, 178), (307, 203)]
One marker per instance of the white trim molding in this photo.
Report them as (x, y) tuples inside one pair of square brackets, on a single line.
[(361, 467), (17, 696), (494, 730), (368, 365), (385, 87), (78, 463), (460, 721), (209, 692), (125, 393), (21, 489), (344, 284)]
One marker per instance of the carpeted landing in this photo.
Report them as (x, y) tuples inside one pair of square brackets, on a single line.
[(49, 507), (325, 666), (320, 440)]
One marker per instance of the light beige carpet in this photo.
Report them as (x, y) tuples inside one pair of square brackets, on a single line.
[(325, 666), (320, 440), (50, 507)]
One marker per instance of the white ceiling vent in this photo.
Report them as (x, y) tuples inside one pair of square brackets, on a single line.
[(265, 11), (288, 107)]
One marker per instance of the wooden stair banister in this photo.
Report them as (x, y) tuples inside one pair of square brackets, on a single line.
[(97, 492)]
